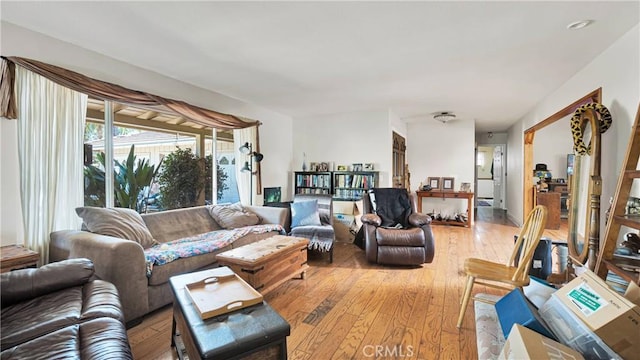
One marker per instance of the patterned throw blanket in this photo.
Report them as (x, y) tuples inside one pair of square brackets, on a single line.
[(200, 244)]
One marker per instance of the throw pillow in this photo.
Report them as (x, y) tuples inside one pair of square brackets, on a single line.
[(304, 213), (117, 222), (233, 216)]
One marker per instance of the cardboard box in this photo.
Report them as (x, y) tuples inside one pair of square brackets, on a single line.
[(611, 316), (523, 343), (515, 308), (574, 333), (343, 207)]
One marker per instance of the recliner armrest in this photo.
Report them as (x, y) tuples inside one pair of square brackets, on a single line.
[(419, 220), (371, 219), (25, 284)]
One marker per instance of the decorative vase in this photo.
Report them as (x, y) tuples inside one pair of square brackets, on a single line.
[(304, 162)]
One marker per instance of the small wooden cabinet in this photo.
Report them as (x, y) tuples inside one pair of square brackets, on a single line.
[(14, 257), (552, 201)]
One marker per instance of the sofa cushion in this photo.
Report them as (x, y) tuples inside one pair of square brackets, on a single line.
[(233, 216), (103, 338), (117, 222), (180, 223)]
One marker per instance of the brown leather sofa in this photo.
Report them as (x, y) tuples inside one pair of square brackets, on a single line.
[(394, 232), (58, 312)]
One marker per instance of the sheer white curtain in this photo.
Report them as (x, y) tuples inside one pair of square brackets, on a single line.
[(51, 122), (243, 179)]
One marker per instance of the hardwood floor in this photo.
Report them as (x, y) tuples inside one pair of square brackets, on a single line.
[(348, 309)]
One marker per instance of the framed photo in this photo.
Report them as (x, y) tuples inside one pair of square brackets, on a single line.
[(323, 166), (313, 166), (465, 187), (447, 183), (434, 182), (357, 167), (272, 194), (343, 168), (368, 167)]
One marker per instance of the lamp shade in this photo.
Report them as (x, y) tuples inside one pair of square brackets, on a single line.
[(246, 167), (257, 156), (245, 149)]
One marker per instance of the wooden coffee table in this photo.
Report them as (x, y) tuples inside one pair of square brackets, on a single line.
[(268, 263)]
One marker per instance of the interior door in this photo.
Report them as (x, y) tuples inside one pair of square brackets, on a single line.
[(498, 177)]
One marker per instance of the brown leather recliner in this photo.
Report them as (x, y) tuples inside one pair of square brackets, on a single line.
[(394, 232), (59, 311)]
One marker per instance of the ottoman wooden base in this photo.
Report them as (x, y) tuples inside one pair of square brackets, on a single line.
[(268, 263)]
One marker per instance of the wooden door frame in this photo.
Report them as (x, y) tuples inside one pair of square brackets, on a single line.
[(529, 135)]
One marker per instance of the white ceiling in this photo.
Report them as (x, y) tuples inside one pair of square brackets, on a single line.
[(485, 61)]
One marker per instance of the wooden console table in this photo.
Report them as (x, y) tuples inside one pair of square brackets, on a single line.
[(449, 195)]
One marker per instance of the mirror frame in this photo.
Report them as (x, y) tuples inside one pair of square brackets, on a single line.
[(529, 136)]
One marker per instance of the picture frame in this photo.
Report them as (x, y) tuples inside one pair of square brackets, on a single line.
[(465, 187), (434, 182), (447, 183), (368, 167), (272, 194), (343, 168), (356, 167), (323, 166), (313, 166)]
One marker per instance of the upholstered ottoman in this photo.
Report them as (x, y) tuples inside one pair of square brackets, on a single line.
[(255, 332)]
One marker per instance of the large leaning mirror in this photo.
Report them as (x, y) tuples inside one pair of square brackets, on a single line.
[(584, 189)]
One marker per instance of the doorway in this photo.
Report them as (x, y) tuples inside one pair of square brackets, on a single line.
[(490, 178)]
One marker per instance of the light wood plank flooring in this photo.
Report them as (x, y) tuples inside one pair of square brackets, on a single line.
[(346, 309)]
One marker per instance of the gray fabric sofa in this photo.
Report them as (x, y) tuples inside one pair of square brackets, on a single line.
[(122, 262), (59, 312)]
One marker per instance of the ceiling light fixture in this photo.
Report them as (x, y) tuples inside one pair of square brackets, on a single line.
[(444, 116), (576, 25)]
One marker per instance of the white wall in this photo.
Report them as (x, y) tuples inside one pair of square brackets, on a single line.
[(344, 139), (435, 149), (276, 133), (551, 146), (617, 71)]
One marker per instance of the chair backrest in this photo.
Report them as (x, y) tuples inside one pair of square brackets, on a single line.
[(325, 204), (527, 241), (368, 207)]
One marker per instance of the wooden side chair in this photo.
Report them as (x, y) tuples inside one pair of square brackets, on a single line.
[(506, 276)]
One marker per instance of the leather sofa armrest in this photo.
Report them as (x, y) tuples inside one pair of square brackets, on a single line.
[(371, 219), (118, 261), (270, 215), (419, 220), (25, 284)]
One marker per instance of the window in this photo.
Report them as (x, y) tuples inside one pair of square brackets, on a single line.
[(149, 140)]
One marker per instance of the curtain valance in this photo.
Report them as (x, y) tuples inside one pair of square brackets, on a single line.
[(107, 91)]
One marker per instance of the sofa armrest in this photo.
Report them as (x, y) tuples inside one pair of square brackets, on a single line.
[(20, 285), (270, 215), (118, 261)]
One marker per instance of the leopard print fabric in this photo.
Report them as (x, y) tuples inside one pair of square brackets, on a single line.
[(579, 123)]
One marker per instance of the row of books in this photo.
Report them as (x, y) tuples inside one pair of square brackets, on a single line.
[(355, 181), (323, 181), (312, 191), (348, 194)]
